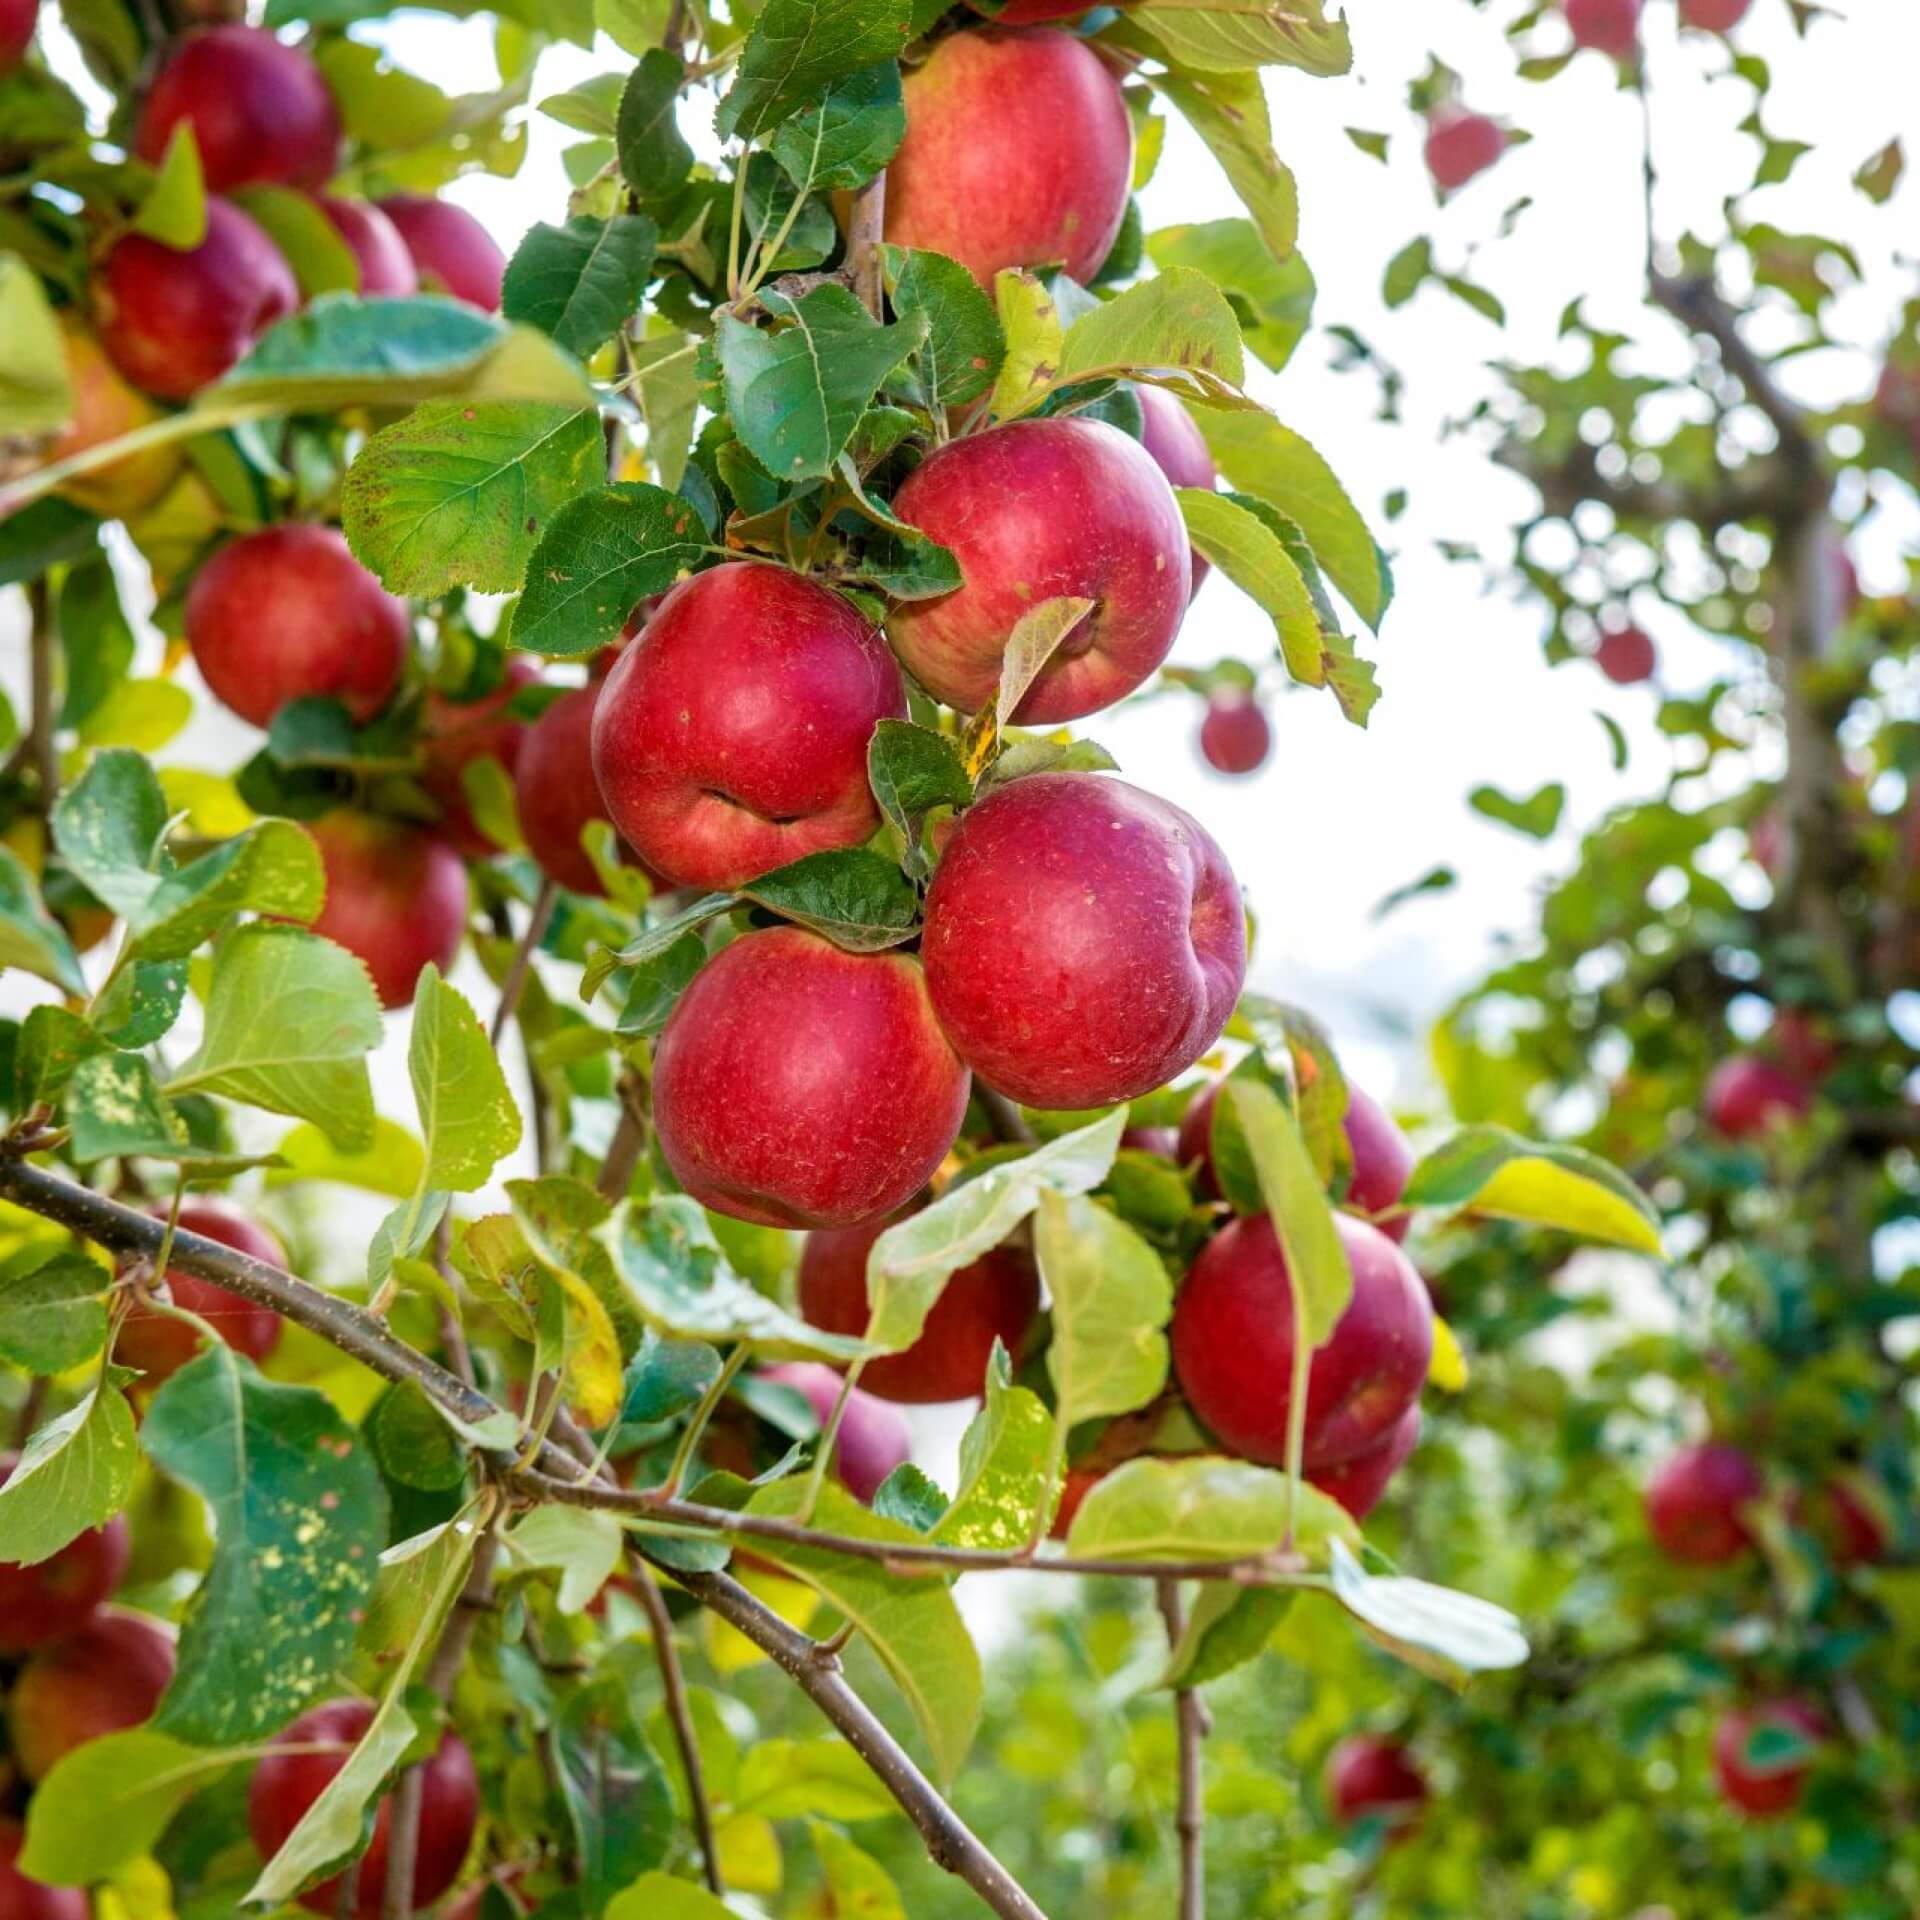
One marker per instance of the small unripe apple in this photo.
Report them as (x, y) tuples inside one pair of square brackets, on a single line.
[(1036, 511), (396, 896), (173, 321), (1235, 737), (105, 408), (799, 1086), (53, 1596), (1695, 1504), (286, 1783), (386, 266), (21, 1898), (1019, 153), (452, 252), (1170, 433), (287, 614), (873, 1437), (259, 110), (1232, 1337), (17, 21), (456, 733), (1084, 941), (1713, 16), (992, 1298), (1610, 26), (1746, 1096), (1625, 655), (1370, 1774), (1764, 1793), (555, 792), (1359, 1484), (1461, 145), (106, 1675), (160, 1346), (731, 735)]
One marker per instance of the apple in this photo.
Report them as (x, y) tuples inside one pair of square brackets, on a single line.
[(873, 1437), (1019, 153), (456, 733), (1369, 1774), (105, 408), (1232, 1337), (1460, 145), (1625, 655), (396, 896), (1075, 1485), (17, 21), (799, 1086), (386, 265), (1713, 16), (555, 791), (1764, 1792), (285, 1784), (1694, 1502), (1179, 449), (1234, 736), (452, 252), (106, 1675), (1358, 1484), (1807, 1049), (174, 320), (288, 614), (1847, 1512), (731, 735), (993, 1298), (1045, 510), (38, 1603), (24, 1899), (259, 109), (1746, 1096), (1163, 1141), (1611, 26), (160, 1347)]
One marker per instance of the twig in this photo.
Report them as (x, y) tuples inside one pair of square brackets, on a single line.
[(1009, 1124), (515, 984), (628, 1143), (673, 1685), (1190, 1715), (865, 224), (40, 741)]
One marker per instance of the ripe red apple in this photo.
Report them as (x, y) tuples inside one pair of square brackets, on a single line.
[(799, 1086), (873, 1436), (52, 1597), (1019, 153), (1084, 941), (285, 1784), (1806, 1048), (1847, 1515), (17, 20), (386, 265), (1625, 655), (555, 791), (452, 252), (1233, 1346), (1763, 1793), (259, 110), (1713, 16), (1611, 26), (1746, 1095), (1043, 510), (160, 1347), (1694, 1504), (994, 1298), (1360, 1483), (105, 407), (1370, 1774), (108, 1674), (1164, 1141), (174, 321), (396, 896), (287, 614), (1168, 432), (731, 735), (1235, 736), (1460, 145), (24, 1899), (456, 733)]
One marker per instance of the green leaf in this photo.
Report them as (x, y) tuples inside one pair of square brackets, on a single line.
[(468, 1121), (1232, 38), (1318, 1271), (274, 868), (1444, 1634), (1003, 1467), (582, 1545), (175, 209), (36, 390), (300, 1517), (654, 986), (841, 141), (653, 941), (389, 1165), (559, 1218), (1227, 1627), (860, 901), (856, 1883), (459, 493), (115, 1108), (1536, 816), (659, 1896), (1273, 298), (290, 1020), (1111, 1299), (30, 937), (1407, 272), (602, 555), (1202, 1508), (654, 159), (912, 770), (796, 1779), (108, 828), (73, 1474), (961, 355), (666, 383), (96, 639), (581, 283), (800, 47), (141, 1002), (321, 260), (617, 1798), (1229, 112), (413, 1443), (1031, 326), (53, 1310), (1491, 1171), (1175, 329)]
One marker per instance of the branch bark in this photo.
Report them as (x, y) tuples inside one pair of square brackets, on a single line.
[(1191, 1718), (515, 983), (865, 225), (673, 1684)]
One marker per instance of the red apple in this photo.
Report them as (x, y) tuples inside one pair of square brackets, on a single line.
[(1368, 1774), (386, 266), (396, 896), (1234, 736), (1806, 1048), (105, 407), (555, 792), (873, 1436), (1075, 1485), (173, 321), (1163, 1141), (456, 733), (1764, 1792), (1847, 1513), (1746, 1096), (1019, 153), (17, 21), (1359, 1484), (287, 614), (160, 1347), (40, 1602), (1625, 655), (24, 1899), (799, 1086), (106, 1675), (994, 1298), (1028, 13), (1168, 432), (285, 1784), (1713, 16), (1611, 26), (259, 110), (1694, 1504), (452, 252), (1460, 145), (731, 735), (1045, 510)]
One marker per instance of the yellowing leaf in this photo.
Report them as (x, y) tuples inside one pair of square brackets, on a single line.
[(1448, 1369)]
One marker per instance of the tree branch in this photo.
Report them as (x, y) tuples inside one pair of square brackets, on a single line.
[(864, 227), (515, 983), (673, 1684), (1191, 1716)]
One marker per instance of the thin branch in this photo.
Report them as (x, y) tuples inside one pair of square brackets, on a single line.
[(1009, 1124), (40, 741), (515, 984), (673, 1685), (628, 1143), (865, 224), (1190, 1715)]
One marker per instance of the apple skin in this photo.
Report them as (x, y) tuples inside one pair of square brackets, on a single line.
[(873, 1436), (1370, 1774), (1611, 26), (1693, 1504), (1235, 737), (1745, 1096), (396, 896), (285, 1785), (1626, 656), (104, 408), (174, 322), (1041, 510), (1232, 1337), (1164, 1141), (1360, 1483), (455, 733), (1179, 449), (1461, 145), (288, 613), (555, 792), (1762, 1796), (731, 735), (994, 1298), (452, 252), (1019, 153), (1847, 1522), (41, 1602), (21, 1898), (260, 111), (160, 1347), (17, 21), (106, 1675), (798, 1086), (1713, 16), (386, 264)]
